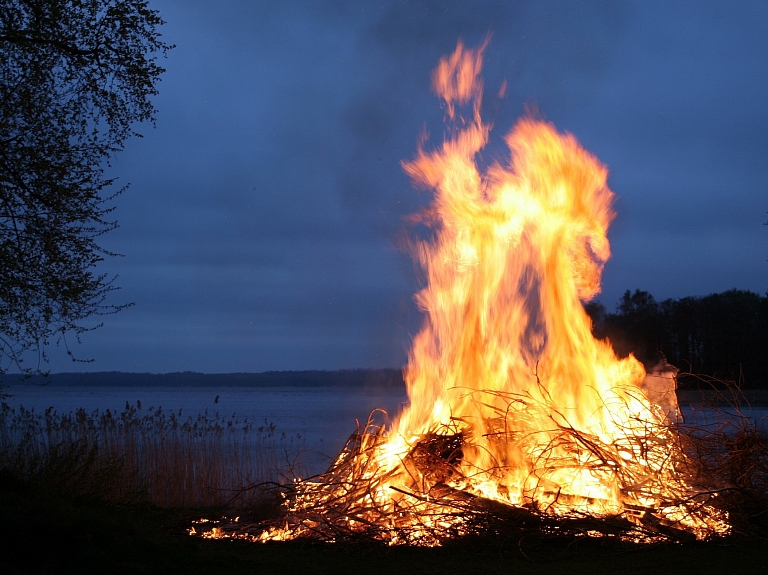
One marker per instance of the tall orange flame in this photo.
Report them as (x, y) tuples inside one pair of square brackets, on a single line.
[(518, 249), (506, 356), (512, 400)]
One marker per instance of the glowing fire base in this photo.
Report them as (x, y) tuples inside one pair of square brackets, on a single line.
[(427, 499)]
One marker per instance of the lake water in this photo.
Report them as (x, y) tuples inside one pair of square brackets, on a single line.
[(316, 420), (726, 418)]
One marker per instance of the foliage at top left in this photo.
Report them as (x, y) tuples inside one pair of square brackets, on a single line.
[(76, 77)]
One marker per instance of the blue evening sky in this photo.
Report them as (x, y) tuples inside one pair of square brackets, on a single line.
[(261, 226)]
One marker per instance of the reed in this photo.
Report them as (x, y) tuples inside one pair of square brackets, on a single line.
[(164, 458), (730, 448)]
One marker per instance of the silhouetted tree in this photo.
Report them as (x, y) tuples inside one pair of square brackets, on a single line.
[(75, 76), (596, 312), (721, 335), (636, 327)]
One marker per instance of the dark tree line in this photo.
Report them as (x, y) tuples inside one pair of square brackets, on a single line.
[(722, 335)]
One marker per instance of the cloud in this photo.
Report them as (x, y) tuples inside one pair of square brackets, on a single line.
[(272, 192)]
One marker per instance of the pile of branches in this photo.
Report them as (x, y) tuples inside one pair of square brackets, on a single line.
[(723, 473), (338, 506)]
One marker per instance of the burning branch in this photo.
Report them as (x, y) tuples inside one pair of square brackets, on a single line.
[(519, 419)]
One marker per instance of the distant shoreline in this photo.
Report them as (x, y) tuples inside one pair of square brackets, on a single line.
[(384, 378), (362, 378), (724, 397)]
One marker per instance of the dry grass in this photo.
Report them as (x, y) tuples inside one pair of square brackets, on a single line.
[(156, 456), (730, 449)]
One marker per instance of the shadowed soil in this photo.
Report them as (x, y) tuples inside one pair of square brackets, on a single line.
[(42, 532)]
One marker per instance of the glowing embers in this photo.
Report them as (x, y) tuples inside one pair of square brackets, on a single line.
[(425, 499), (518, 418)]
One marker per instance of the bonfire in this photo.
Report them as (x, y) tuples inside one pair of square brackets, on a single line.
[(518, 418)]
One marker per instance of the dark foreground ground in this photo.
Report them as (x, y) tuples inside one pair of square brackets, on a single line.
[(44, 533)]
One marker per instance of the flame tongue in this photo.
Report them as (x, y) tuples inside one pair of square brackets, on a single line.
[(513, 404), (506, 341)]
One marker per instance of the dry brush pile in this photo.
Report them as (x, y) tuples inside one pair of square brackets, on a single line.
[(719, 482)]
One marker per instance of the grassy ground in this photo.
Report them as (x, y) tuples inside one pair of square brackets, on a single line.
[(47, 533)]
